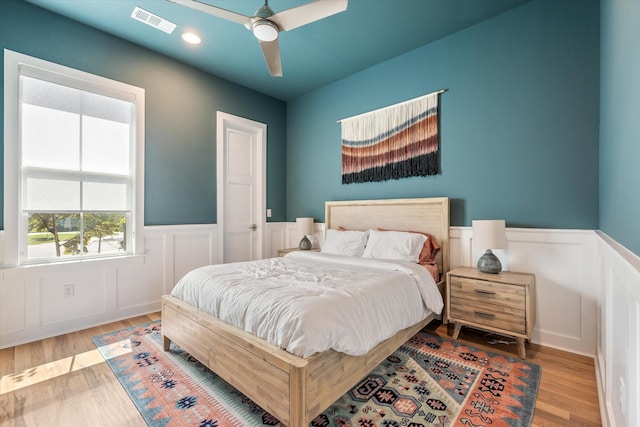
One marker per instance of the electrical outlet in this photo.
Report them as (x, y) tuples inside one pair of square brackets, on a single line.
[(268, 213), (68, 290)]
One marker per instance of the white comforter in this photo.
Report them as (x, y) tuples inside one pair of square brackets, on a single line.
[(309, 302)]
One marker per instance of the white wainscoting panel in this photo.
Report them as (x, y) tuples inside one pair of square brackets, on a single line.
[(32, 301), (138, 286), (89, 295), (276, 238), (13, 303), (34, 304), (564, 262), (618, 350), (178, 249), (587, 293)]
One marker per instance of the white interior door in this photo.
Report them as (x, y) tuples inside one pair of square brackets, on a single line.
[(241, 199)]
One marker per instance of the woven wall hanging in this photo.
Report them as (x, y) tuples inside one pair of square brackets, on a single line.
[(393, 142)]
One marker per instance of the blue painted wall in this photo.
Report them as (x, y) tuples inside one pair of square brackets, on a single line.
[(181, 105), (620, 123), (519, 121)]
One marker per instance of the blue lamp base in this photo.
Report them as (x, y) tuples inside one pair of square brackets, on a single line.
[(489, 263), (305, 244)]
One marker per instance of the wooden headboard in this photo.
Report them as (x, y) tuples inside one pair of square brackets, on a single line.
[(430, 215)]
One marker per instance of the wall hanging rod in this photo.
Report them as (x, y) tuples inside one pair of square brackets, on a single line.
[(438, 92)]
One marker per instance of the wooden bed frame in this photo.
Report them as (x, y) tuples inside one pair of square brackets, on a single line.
[(291, 388)]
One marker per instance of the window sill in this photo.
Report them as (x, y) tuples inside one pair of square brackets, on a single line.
[(119, 261)]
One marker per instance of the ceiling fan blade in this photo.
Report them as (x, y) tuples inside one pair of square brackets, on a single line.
[(216, 11), (271, 52), (307, 13)]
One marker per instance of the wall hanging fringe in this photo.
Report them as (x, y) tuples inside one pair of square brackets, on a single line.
[(393, 142)]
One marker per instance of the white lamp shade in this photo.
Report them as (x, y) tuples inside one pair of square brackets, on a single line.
[(304, 226), (489, 234)]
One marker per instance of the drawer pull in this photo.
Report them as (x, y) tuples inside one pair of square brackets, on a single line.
[(484, 314), (484, 291)]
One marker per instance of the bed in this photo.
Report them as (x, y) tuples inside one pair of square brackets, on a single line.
[(292, 388)]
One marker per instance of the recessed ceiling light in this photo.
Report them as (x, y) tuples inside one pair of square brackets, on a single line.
[(191, 38)]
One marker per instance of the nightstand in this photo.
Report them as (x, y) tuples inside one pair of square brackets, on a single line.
[(283, 252), (503, 303)]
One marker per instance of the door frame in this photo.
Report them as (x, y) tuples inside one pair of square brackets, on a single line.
[(225, 121)]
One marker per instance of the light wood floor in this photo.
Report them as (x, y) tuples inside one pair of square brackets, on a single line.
[(63, 381)]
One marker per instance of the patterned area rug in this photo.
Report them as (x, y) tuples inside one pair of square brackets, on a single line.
[(429, 381)]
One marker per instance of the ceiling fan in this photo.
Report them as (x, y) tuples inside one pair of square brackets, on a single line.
[(266, 25)]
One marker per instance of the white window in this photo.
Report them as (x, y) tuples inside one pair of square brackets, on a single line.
[(73, 164)]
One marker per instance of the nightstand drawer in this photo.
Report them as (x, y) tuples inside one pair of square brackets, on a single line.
[(497, 316), (489, 292)]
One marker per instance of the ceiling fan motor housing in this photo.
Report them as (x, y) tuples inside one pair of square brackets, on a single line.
[(264, 12), (263, 28)]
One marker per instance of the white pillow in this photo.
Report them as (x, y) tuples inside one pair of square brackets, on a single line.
[(394, 245), (348, 242)]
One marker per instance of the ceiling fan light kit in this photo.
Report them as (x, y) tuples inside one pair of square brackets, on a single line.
[(265, 30), (266, 25)]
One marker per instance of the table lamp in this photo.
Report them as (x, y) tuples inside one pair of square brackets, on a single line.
[(487, 235), (305, 228)]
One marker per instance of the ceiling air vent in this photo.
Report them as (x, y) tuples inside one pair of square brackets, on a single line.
[(153, 20)]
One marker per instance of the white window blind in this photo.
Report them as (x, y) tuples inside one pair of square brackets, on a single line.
[(76, 149)]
